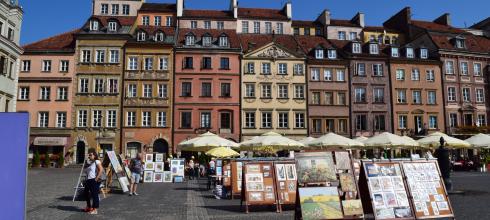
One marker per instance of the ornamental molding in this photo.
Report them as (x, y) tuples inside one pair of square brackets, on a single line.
[(274, 52)]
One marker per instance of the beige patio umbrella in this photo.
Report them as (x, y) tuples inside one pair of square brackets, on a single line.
[(479, 141), (387, 140), (410, 140), (222, 152), (360, 138), (332, 140), (432, 141), (307, 140), (205, 142), (270, 142)]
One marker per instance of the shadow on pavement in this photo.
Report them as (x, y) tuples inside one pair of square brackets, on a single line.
[(66, 208), (66, 198)]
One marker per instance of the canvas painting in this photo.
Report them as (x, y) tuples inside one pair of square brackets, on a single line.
[(374, 184), (292, 187), (291, 171), (385, 213), (148, 176), (124, 182), (398, 183), (149, 158), (167, 177), (401, 197), (352, 207), (157, 177), (254, 178), (390, 199), (255, 196), (386, 183), (149, 166), (403, 212), (315, 167), (255, 186), (253, 168), (320, 203), (158, 157), (281, 172), (159, 167), (372, 170), (378, 200), (342, 160), (347, 182), (269, 196)]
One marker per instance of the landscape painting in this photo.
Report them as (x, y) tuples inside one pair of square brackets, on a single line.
[(352, 207), (315, 168), (320, 203)]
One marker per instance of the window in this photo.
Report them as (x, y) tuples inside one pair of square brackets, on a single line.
[(417, 97), (148, 64), (159, 37), (431, 97), (188, 63), (249, 119), (298, 69), (466, 95), (225, 120), (299, 120), (415, 74), (401, 96), (250, 68), (115, 9), (400, 74), (86, 56), (61, 119), (96, 118), (402, 122), (332, 54), (283, 120), (353, 35), (319, 53), (356, 48), (163, 63), (378, 69), (24, 93), (266, 91), (361, 122), (459, 43), (99, 56), (193, 24), (424, 53), (342, 126), (205, 119), (256, 27), (64, 65), (410, 53), (206, 40), (26, 65), (207, 24), (361, 69), (112, 26), (82, 118), (328, 98), (449, 67), (83, 86), (112, 86), (373, 49), (315, 98), (225, 90), (266, 68), (296, 31), (206, 89), (125, 9), (186, 119), (299, 91), (329, 125), (162, 119), (279, 28), (378, 95), (206, 63), (477, 71), (62, 93), (94, 25), (340, 75), (283, 68), (315, 74), (307, 31), (379, 123), (341, 98), (432, 122), (245, 27), (169, 21), (44, 93), (141, 36), (186, 89), (99, 86), (158, 20), (132, 90), (130, 119), (225, 63), (266, 120), (46, 66), (327, 74), (250, 90), (282, 91), (114, 56), (111, 118), (451, 94), (317, 126), (453, 120), (430, 75), (220, 25), (190, 40), (360, 94), (43, 119), (104, 9), (342, 35), (481, 120), (133, 63), (480, 97), (223, 41), (147, 90), (162, 91), (146, 119), (464, 68), (395, 52), (268, 27)]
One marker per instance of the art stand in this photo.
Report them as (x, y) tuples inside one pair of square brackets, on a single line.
[(258, 185)]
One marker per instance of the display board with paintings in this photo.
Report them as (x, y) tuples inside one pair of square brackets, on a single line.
[(384, 190), (236, 178), (427, 189), (119, 172), (177, 167), (286, 182), (227, 175), (258, 184)]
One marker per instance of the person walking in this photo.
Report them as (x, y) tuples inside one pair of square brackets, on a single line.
[(190, 166), (93, 169), (136, 167)]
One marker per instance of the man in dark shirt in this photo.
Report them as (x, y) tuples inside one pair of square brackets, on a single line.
[(136, 167)]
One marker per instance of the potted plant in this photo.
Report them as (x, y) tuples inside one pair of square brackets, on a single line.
[(61, 161), (46, 160), (36, 159)]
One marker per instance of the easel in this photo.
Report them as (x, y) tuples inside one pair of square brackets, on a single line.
[(80, 185)]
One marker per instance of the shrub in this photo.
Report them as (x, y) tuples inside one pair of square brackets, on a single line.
[(36, 159), (61, 161), (46, 161)]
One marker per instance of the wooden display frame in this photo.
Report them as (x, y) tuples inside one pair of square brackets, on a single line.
[(288, 182), (236, 178), (257, 170), (227, 175)]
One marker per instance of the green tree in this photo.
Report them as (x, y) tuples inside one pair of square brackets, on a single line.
[(61, 161)]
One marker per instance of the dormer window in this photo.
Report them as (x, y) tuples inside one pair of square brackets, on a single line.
[(409, 52), (94, 25), (319, 53), (459, 43), (206, 41), (373, 49), (424, 53), (387, 40), (141, 36), (332, 54), (223, 41), (190, 40), (356, 48), (112, 26), (159, 37), (395, 52)]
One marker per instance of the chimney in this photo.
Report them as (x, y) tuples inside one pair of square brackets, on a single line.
[(444, 19), (324, 17), (180, 8), (234, 8), (289, 9), (400, 21), (359, 19)]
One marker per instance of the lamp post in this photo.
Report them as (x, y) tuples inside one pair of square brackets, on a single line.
[(442, 154)]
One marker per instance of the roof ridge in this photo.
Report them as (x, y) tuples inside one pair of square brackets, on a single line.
[(52, 37)]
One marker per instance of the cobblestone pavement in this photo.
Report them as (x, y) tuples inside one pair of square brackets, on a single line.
[(50, 192)]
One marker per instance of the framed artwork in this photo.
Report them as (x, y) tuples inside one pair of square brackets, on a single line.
[(219, 163), (291, 171), (385, 213), (390, 199), (401, 197), (386, 183), (378, 200), (253, 168), (266, 168), (149, 158), (150, 166), (167, 176), (347, 182), (269, 196), (398, 183), (157, 177), (342, 160), (282, 185), (255, 187), (158, 157), (374, 184), (403, 212), (315, 167), (148, 177), (254, 178), (292, 187), (372, 170), (124, 182), (280, 172), (255, 196), (159, 167), (352, 207), (320, 203)]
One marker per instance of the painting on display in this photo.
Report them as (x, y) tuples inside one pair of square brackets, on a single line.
[(148, 176), (291, 171), (167, 177), (320, 203), (149, 166), (347, 182), (315, 167), (124, 182), (352, 207), (281, 172), (342, 160), (159, 166), (114, 161), (149, 158), (158, 157), (157, 177)]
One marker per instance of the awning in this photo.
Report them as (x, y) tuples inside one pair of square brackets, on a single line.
[(50, 141)]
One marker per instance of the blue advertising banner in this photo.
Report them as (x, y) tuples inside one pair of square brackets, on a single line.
[(14, 137)]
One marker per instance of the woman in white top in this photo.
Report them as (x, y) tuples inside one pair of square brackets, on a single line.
[(93, 170)]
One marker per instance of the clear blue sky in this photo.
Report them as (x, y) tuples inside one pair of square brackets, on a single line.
[(44, 18)]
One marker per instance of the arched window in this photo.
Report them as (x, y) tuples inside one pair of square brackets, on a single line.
[(141, 36)]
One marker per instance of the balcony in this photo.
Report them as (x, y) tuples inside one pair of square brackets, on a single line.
[(468, 130)]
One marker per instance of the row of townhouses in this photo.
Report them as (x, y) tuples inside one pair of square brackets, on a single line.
[(147, 76)]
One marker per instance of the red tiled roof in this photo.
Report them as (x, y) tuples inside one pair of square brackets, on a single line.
[(232, 36), (472, 43), (262, 13), (158, 7), (255, 41), (153, 29), (344, 46), (431, 26), (123, 20), (61, 42), (298, 23), (206, 14), (309, 43), (347, 23), (380, 29)]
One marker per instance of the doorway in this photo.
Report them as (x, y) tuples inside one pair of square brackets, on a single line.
[(418, 122), (80, 152), (468, 119), (161, 146)]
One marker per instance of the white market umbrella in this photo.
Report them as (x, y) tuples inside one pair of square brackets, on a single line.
[(387, 140), (307, 140), (270, 142), (410, 140), (332, 140), (479, 141), (205, 142), (361, 139), (432, 141)]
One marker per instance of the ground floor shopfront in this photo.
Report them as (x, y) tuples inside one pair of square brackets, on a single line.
[(147, 140), (101, 139)]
